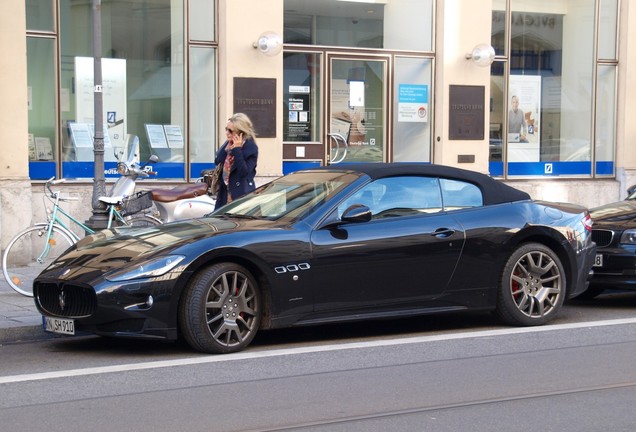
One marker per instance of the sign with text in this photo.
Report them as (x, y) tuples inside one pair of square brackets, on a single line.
[(256, 97), (466, 112), (298, 106)]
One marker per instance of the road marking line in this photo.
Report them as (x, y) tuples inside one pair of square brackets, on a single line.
[(217, 358)]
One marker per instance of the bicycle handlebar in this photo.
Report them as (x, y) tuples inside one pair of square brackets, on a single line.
[(56, 195)]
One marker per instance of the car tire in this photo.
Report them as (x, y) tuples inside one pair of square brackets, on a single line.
[(221, 309), (532, 286)]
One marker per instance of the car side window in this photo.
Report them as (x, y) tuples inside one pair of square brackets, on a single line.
[(459, 195), (398, 196)]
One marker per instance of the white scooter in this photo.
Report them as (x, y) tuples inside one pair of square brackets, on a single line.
[(182, 202), (130, 170)]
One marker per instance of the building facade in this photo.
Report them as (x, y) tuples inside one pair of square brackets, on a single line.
[(534, 92)]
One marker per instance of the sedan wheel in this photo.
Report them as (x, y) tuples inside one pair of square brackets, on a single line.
[(221, 309), (532, 286)]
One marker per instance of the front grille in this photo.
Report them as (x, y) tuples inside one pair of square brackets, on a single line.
[(602, 237), (65, 300)]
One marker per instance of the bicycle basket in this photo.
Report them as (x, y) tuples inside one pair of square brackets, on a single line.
[(136, 203)]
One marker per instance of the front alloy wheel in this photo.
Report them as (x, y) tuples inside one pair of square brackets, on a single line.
[(221, 309), (532, 287)]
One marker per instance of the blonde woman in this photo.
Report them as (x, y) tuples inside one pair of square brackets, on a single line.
[(238, 155)]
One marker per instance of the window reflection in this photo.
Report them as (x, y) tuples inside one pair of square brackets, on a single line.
[(142, 78)]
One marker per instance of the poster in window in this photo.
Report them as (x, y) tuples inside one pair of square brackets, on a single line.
[(43, 148), (113, 94), (32, 152), (523, 118), (298, 126)]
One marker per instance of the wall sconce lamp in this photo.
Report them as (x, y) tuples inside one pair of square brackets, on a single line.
[(269, 43), (482, 55)]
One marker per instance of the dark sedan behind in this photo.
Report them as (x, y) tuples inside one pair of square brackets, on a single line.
[(614, 233)]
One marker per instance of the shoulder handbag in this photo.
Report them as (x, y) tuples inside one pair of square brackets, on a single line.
[(212, 178)]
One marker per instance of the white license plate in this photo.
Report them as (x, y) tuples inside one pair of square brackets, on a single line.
[(598, 261), (59, 325)]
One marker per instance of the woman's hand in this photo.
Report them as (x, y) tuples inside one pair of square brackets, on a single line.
[(237, 140)]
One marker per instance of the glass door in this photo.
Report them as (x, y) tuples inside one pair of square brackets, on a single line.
[(357, 102)]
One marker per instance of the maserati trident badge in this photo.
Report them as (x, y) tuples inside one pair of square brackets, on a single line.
[(62, 299)]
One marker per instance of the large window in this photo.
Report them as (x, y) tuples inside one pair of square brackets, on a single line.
[(41, 103), (552, 101), (142, 77), (149, 61)]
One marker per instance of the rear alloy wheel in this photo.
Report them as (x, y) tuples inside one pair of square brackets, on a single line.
[(221, 309), (532, 287)]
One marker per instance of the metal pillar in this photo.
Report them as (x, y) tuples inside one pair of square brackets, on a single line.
[(99, 218)]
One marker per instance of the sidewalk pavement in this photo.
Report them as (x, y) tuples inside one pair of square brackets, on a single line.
[(19, 319)]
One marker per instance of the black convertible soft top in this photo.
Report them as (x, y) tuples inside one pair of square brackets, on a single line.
[(493, 191)]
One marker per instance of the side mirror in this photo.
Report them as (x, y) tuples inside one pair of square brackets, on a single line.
[(153, 159), (357, 213)]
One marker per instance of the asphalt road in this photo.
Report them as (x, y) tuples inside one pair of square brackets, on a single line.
[(442, 373)]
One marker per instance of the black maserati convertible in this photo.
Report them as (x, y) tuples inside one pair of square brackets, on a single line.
[(361, 241)]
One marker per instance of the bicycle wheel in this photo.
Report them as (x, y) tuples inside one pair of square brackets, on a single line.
[(142, 220), (29, 253)]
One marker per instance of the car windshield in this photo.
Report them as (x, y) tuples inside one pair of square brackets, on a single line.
[(289, 197)]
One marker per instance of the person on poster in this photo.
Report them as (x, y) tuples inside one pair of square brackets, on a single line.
[(238, 155), (517, 120)]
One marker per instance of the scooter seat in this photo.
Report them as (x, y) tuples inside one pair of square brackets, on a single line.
[(179, 192)]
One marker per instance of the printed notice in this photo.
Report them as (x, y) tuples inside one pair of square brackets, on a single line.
[(156, 136), (413, 103), (174, 136)]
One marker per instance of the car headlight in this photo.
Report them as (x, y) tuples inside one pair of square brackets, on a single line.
[(629, 237), (151, 268)]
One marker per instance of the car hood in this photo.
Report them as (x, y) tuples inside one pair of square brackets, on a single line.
[(114, 248), (619, 215)]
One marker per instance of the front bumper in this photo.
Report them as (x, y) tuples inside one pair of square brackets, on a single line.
[(134, 310), (618, 269)]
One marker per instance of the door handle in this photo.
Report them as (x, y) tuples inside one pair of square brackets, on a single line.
[(443, 232)]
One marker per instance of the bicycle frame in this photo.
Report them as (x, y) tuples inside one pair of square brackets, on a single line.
[(55, 220), (33, 247)]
